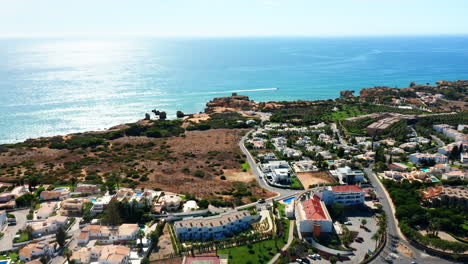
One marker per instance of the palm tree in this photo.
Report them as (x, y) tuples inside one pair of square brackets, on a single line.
[(376, 238), (67, 253), (141, 235)]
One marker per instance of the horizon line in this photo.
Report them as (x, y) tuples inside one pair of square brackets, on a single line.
[(144, 35)]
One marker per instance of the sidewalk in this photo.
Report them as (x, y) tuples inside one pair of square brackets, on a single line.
[(290, 239)]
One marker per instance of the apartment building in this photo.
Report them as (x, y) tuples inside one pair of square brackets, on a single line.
[(312, 217), (215, 227), (446, 195), (344, 195)]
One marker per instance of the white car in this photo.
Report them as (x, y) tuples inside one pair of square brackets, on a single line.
[(348, 223)]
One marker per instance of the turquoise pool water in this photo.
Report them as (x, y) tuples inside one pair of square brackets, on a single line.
[(432, 179), (425, 170), (290, 199), (58, 189), (92, 200)]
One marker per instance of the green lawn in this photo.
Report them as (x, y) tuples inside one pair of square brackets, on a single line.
[(13, 256), (296, 184), (409, 164), (281, 208), (245, 166), (260, 252), (23, 237)]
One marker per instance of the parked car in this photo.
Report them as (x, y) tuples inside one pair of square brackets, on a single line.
[(357, 240)]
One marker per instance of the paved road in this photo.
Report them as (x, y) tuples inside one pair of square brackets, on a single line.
[(6, 243), (394, 235), (282, 193), (440, 143)]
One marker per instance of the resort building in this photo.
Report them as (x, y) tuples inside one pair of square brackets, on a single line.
[(446, 195), (215, 227), (418, 158), (312, 217), (344, 195)]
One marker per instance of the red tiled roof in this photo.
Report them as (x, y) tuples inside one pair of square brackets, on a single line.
[(346, 188), (314, 209)]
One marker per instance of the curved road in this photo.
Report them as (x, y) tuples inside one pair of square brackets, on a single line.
[(282, 193), (394, 236)]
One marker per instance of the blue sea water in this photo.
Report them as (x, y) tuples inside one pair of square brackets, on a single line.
[(59, 86)]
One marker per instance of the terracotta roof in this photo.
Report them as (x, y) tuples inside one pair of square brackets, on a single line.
[(346, 188), (315, 209), (34, 262)]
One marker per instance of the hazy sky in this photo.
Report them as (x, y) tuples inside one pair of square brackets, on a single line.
[(233, 17)]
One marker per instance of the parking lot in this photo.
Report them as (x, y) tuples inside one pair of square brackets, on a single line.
[(356, 217)]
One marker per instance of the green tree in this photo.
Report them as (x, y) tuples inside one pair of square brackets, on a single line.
[(60, 236), (112, 215)]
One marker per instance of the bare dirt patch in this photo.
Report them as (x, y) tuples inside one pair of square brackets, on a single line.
[(165, 247), (236, 175), (312, 178), (195, 162), (405, 250)]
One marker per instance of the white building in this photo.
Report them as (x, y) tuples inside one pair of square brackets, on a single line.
[(51, 225), (108, 235), (214, 227), (100, 204), (417, 158), (35, 250), (344, 195), (347, 175), (312, 217), (277, 171)]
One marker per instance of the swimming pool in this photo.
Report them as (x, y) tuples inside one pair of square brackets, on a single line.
[(57, 189), (289, 200), (139, 194), (425, 170), (432, 179), (4, 261)]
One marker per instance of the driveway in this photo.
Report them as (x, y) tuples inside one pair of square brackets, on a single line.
[(6, 243)]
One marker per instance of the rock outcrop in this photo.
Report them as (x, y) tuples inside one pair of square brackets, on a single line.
[(346, 94)]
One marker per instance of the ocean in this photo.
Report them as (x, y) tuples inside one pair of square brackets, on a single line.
[(60, 86)]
